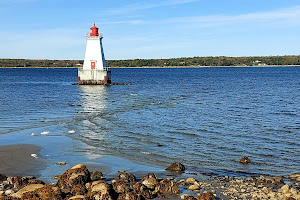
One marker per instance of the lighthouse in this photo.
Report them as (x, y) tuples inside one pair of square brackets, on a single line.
[(94, 71)]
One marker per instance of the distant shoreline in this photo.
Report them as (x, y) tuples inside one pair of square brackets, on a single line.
[(148, 67)]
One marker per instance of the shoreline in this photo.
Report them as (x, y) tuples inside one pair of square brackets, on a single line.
[(183, 185), (156, 67)]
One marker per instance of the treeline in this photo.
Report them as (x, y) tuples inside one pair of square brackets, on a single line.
[(178, 62)]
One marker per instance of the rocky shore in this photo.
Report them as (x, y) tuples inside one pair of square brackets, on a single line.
[(78, 183)]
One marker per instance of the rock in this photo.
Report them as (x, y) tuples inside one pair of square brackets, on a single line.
[(121, 187), (177, 167), (79, 190), (47, 192), (206, 196), (190, 180), (128, 196), (245, 160), (3, 177), (78, 174), (96, 175), (285, 189), (17, 182), (194, 187), (290, 198), (278, 180), (121, 171), (61, 163), (142, 190), (36, 182), (295, 177), (77, 197), (150, 181), (28, 188), (166, 186), (100, 190), (127, 178), (9, 192), (187, 197)]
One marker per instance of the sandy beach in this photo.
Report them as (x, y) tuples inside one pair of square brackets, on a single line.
[(16, 160)]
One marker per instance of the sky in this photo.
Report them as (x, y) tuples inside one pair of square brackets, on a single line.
[(134, 29)]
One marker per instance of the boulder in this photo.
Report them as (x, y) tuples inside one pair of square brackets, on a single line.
[(17, 182), (3, 177), (77, 175), (150, 181), (96, 175), (187, 197), (100, 190), (206, 196), (39, 191), (245, 160), (177, 167), (141, 190), (121, 187), (36, 181), (167, 186), (79, 190), (295, 177), (128, 196), (127, 178)]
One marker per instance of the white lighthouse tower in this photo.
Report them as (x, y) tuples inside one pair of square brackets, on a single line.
[(94, 71)]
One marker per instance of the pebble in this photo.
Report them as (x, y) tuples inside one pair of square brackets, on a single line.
[(190, 180), (194, 187)]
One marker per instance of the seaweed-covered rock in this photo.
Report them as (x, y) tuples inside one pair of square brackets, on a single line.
[(177, 167), (245, 160), (168, 186), (206, 196), (127, 178), (150, 181), (78, 174)]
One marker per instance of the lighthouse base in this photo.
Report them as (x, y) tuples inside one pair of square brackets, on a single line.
[(94, 77)]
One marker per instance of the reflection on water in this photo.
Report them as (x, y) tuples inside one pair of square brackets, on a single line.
[(90, 128)]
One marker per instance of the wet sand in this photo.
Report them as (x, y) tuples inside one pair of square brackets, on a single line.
[(16, 160)]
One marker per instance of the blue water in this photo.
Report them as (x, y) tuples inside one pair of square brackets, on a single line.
[(206, 118)]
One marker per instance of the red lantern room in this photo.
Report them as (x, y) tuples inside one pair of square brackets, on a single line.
[(94, 31)]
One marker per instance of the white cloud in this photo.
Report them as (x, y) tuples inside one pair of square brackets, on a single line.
[(286, 16)]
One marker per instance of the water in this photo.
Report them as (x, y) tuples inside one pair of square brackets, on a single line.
[(205, 118)]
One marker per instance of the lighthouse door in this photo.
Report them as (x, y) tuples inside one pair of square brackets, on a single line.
[(93, 65)]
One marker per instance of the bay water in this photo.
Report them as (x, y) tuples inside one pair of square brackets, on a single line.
[(205, 118)]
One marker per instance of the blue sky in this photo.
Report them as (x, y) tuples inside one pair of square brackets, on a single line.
[(55, 29)]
